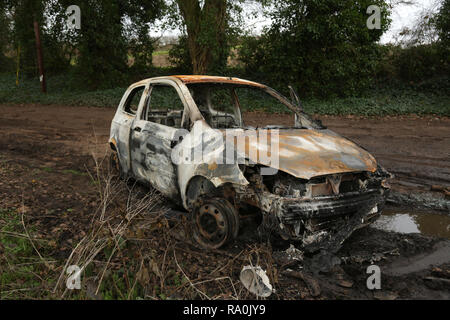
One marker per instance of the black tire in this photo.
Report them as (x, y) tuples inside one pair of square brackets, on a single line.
[(214, 222), (234, 216)]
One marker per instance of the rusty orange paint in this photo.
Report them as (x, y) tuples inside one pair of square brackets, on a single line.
[(309, 153), (114, 142), (216, 79), (212, 166)]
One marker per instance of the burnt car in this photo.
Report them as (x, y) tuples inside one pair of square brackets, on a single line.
[(304, 181)]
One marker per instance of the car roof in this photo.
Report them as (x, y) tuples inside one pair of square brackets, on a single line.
[(187, 79), (216, 79)]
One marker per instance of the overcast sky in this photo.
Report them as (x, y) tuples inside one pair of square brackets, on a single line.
[(403, 15)]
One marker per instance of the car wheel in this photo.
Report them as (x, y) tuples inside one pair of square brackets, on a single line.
[(215, 222)]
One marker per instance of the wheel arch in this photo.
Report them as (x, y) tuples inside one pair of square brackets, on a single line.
[(113, 145), (197, 186)]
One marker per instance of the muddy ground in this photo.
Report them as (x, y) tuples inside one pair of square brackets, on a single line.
[(46, 153)]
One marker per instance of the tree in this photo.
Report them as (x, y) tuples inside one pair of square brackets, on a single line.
[(425, 47), (140, 16), (423, 30), (22, 14), (210, 27), (323, 47), (4, 37), (110, 32), (101, 45), (442, 21)]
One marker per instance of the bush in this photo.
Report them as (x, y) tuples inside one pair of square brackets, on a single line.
[(322, 48), (418, 63)]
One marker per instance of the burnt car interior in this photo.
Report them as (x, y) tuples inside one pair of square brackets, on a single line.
[(132, 103), (221, 104), (218, 104), (164, 106)]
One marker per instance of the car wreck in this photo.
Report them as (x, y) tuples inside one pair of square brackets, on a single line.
[(185, 136)]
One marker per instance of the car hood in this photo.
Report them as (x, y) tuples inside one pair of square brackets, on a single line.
[(305, 153)]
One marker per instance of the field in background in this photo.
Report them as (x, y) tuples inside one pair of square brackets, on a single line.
[(160, 57)]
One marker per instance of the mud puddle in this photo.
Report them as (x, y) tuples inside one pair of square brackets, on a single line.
[(438, 256), (404, 220)]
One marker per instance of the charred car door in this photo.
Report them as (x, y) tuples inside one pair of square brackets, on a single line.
[(152, 137), (122, 122)]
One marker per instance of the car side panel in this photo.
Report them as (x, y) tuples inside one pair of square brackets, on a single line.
[(120, 130), (151, 156)]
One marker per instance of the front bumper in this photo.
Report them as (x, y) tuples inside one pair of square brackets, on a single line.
[(325, 222)]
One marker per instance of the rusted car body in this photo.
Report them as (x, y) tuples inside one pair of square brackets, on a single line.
[(319, 190)]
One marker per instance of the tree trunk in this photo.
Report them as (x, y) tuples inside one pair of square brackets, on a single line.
[(39, 57), (206, 29)]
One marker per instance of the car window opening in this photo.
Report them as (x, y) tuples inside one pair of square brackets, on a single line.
[(222, 104), (164, 106), (132, 104)]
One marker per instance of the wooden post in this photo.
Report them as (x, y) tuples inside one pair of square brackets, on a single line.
[(18, 65), (39, 57)]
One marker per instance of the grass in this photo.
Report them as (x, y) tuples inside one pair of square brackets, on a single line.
[(74, 172), (386, 102), (21, 269), (129, 251), (394, 100), (160, 53), (59, 92)]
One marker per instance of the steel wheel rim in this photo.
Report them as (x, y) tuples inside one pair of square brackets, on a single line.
[(211, 225)]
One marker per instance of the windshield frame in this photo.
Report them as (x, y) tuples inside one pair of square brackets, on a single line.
[(309, 123)]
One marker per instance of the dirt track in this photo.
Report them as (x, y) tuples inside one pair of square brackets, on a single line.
[(45, 150), (414, 148)]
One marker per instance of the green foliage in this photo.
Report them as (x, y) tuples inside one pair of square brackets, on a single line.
[(101, 44), (412, 64), (98, 51), (209, 29), (387, 101), (389, 98), (442, 22), (140, 14), (6, 64), (59, 92), (180, 57), (21, 15), (322, 47), (430, 97)]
